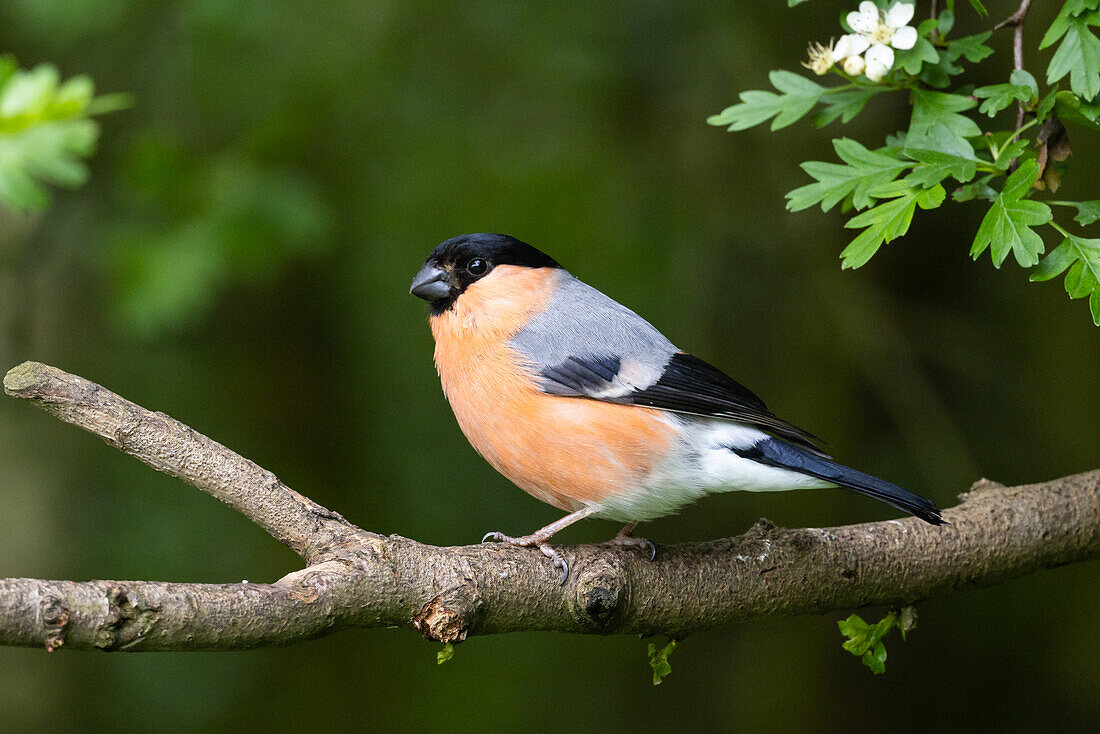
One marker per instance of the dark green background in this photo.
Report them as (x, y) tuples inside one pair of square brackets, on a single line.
[(240, 260)]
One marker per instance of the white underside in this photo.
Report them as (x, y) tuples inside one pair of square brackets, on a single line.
[(702, 464)]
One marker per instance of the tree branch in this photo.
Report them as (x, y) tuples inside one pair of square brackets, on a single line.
[(355, 578), (173, 448)]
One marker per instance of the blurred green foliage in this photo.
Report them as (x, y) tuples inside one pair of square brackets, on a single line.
[(194, 225), (386, 127), (45, 130)]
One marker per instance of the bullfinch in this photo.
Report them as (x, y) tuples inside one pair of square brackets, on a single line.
[(586, 406)]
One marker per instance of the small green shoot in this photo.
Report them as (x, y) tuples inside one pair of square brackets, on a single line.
[(445, 654), (658, 660), (865, 640)]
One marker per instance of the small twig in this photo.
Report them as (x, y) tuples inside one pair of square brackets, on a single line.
[(1016, 20)]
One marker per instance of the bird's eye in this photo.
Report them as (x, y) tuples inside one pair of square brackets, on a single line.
[(477, 266)]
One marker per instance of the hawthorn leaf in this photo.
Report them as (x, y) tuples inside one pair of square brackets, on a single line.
[(1079, 258), (937, 124), (798, 95), (1078, 56), (887, 221), (996, 97), (863, 171), (1007, 226)]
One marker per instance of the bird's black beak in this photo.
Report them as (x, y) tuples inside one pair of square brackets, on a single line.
[(430, 284)]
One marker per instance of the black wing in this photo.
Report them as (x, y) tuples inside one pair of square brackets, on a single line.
[(687, 385)]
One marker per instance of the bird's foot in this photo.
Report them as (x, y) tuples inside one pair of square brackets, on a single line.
[(535, 540), (626, 539)]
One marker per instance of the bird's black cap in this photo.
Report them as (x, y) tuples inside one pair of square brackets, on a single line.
[(460, 261), (498, 249)]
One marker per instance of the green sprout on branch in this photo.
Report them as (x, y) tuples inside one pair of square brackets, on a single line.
[(658, 660), (865, 640)]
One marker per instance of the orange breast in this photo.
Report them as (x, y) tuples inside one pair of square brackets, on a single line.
[(568, 452)]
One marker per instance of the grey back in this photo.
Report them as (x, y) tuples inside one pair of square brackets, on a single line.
[(582, 323)]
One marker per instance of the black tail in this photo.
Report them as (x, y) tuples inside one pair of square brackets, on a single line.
[(779, 453)]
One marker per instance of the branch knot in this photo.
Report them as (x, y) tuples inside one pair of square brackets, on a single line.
[(449, 616), (600, 592)]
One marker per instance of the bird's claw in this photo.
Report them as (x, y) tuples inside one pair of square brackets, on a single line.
[(625, 539), (533, 541), (644, 543)]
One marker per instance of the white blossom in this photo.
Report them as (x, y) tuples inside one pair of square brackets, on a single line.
[(877, 32), (822, 58), (869, 48), (851, 44), (865, 20), (879, 59), (853, 65)]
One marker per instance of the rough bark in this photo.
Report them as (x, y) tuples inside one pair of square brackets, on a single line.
[(355, 578)]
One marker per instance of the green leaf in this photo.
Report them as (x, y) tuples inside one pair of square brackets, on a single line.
[(979, 189), (1082, 258), (1009, 153), (1079, 57), (27, 93), (936, 166), (865, 640), (937, 125), (858, 633), (1070, 108), (798, 97), (978, 7), (445, 654), (931, 197), (947, 21), (845, 104), (886, 222), (973, 48), (876, 659), (938, 76), (1061, 23), (1043, 110), (1087, 211), (658, 660), (864, 170), (1007, 225), (927, 26), (1055, 263), (1023, 78), (105, 103), (44, 133), (913, 59), (999, 96)]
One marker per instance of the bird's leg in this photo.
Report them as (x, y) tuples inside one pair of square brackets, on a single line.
[(540, 539), (626, 539)]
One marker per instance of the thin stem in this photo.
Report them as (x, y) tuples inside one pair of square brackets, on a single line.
[(1017, 21), (1058, 227)]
